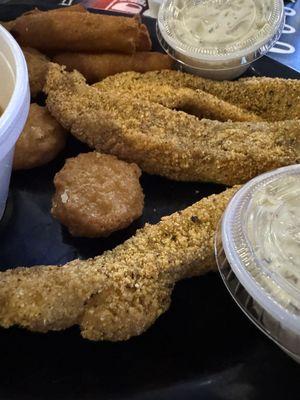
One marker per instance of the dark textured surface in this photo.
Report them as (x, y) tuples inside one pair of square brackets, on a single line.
[(203, 348)]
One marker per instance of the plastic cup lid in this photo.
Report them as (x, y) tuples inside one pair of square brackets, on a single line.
[(260, 40), (260, 235)]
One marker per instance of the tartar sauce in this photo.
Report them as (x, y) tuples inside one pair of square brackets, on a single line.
[(219, 39), (258, 254), (273, 228), (220, 23)]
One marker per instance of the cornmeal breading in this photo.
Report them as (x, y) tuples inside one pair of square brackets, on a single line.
[(273, 99), (195, 102), (166, 142), (121, 293)]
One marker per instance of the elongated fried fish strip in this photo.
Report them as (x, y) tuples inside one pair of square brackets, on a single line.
[(273, 99), (121, 293), (195, 102), (167, 142)]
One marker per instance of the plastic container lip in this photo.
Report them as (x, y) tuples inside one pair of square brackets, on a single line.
[(20, 92), (257, 292), (252, 49), (14, 103)]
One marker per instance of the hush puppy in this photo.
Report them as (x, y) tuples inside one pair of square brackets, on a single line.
[(97, 194), (38, 65), (41, 140)]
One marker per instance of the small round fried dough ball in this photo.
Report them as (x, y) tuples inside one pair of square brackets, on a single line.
[(41, 140), (37, 65), (97, 194)]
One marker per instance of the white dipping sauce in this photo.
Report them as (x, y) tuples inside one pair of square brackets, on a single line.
[(214, 23), (273, 228), (219, 39), (258, 254)]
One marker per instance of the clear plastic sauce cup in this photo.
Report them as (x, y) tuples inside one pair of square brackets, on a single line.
[(219, 39), (258, 254), (14, 105)]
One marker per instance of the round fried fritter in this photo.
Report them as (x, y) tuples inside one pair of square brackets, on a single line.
[(41, 140), (37, 64), (97, 194)]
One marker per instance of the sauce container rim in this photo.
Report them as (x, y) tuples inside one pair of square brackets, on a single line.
[(266, 300), (246, 55), (20, 95), (275, 313), (15, 100)]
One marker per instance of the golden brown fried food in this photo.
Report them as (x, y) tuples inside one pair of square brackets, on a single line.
[(95, 67), (7, 25), (273, 99), (195, 102), (38, 65), (167, 142), (41, 140), (59, 31), (120, 294), (97, 194), (76, 8)]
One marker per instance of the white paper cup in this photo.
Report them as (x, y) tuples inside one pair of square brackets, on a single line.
[(14, 103)]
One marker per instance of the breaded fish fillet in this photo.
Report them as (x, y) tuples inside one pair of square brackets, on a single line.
[(121, 293), (167, 142), (195, 102), (273, 99)]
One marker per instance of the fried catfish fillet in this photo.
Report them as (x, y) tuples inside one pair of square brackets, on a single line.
[(195, 102), (167, 142), (121, 293), (272, 99)]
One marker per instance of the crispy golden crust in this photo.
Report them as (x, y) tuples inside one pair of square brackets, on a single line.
[(121, 293), (95, 67), (195, 102), (58, 31), (75, 8), (97, 194), (41, 140), (273, 99), (166, 142), (38, 65), (8, 25)]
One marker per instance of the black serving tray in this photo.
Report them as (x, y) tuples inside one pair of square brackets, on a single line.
[(202, 348)]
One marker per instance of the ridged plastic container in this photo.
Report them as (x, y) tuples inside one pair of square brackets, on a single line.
[(154, 7), (14, 102), (215, 62), (269, 296)]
